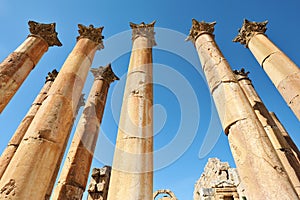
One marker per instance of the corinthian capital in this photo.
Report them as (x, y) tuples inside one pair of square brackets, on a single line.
[(143, 30), (241, 74), (104, 73), (94, 34), (51, 75), (248, 30), (45, 31), (199, 28)]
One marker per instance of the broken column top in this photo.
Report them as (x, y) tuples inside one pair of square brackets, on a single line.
[(92, 33), (51, 75), (241, 74), (199, 28), (104, 73), (45, 31), (143, 30), (248, 30)]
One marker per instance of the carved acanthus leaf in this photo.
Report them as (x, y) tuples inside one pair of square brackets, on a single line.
[(248, 30), (94, 34), (104, 73), (143, 30), (199, 28), (45, 31)]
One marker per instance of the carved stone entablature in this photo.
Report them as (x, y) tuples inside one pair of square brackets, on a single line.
[(51, 75), (143, 30), (248, 30), (45, 31), (199, 28), (104, 73), (94, 34), (241, 74)]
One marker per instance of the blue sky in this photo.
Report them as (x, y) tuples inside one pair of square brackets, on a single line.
[(185, 119)]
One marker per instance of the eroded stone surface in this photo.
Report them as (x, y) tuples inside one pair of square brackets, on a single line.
[(17, 66), (45, 31), (79, 158), (99, 185), (39, 153), (134, 143), (256, 157), (13, 144), (218, 179)]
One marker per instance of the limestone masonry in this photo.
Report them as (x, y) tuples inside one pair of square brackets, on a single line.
[(266, 157)]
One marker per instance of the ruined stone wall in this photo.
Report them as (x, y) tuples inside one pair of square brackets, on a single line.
[(218, 181), (98, 188)]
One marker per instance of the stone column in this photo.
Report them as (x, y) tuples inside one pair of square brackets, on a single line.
[(14, 142), (99, 186), (284, 74), (286, 136), (30, 171), (54, 176), (282, 148), (73, 179), (132, 170), (17, 66), (256, 160)]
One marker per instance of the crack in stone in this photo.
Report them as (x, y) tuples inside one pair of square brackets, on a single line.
[(291, 101), (279, 169), (227, 129), (268, 56), (221, 82), (213, 65), (40, 138)]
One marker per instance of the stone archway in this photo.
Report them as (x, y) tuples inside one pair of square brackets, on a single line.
[(171, 195)]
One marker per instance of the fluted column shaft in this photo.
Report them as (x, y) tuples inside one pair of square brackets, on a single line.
[(14, 142), (282, 148), (73, 179), (283, 72), (30, 171), (132, 171), (17, 66), (256, 160)]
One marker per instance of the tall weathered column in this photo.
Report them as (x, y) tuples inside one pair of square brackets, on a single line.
[(73, 179), (284, 74), (17, 66), (30, 171), (14, 142), (282, 148), (132, 170), (54, 175), (255, 158)]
